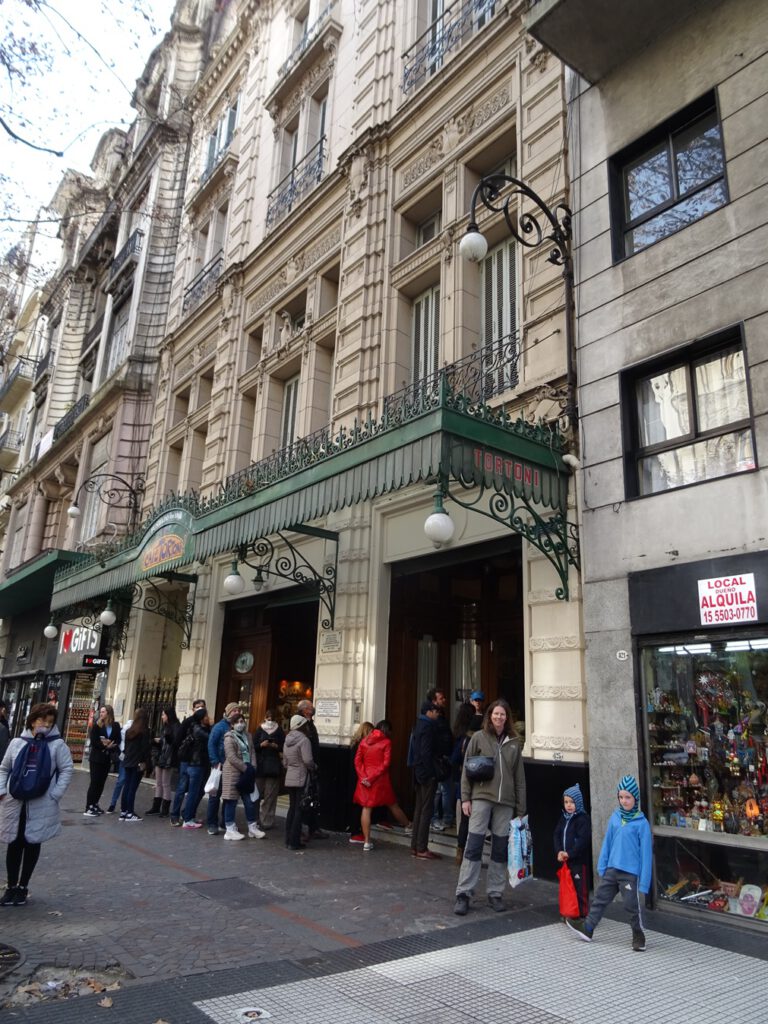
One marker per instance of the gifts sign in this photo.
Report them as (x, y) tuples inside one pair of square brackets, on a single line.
[(725, 599)]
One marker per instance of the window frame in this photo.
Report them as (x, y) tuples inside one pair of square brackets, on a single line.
[(688, 356), (662, 134)]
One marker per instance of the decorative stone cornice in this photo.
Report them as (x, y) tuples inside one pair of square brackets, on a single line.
[(554, 643), (540, 691), (557, 742), (538, 597), (295, 266)]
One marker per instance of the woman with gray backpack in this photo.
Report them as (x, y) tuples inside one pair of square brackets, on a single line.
[(34, 775)]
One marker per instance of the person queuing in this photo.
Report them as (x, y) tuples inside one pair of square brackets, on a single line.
[(422, 761), (444, 810), (198, 766), (105, 737), (165, 761), (238, 778), (5, 732), (268, 742), (355, 814), (26, 824), (298, 761), (311, 815), (182, 754), (216, 758), (137, 760), (374, 788), (490, 802)]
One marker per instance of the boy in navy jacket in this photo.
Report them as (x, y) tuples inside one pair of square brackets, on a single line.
[(573, 843), (624, 865)]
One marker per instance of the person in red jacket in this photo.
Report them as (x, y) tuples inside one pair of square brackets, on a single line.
[(374, 788)]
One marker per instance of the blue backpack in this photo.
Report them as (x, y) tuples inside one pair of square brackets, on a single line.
[(30, 779)]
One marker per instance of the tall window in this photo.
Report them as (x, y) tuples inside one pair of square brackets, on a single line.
[(691, 419), (19, 532), (118, 339), (92, 505), (426, 334), (670, 178), (219, 139), (499, 333), (290, 407)]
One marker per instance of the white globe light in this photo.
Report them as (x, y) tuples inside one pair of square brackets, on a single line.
[(473, 246), (234, 583), (108, 617), (50, 632), (73, 512), (439, 528)]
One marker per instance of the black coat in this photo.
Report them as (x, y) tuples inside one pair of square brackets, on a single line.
[(138, 750), (99, 753), (166, 746), (576, 840), (269, 764), (199, 756), (424, 735)]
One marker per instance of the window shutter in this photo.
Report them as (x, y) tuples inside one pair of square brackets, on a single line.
[(426, 334), (499, 319), (290, 403)]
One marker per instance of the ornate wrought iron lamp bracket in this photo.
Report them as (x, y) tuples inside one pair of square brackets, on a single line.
[(292, 566), (113, 491), (148, 597), (555, 536)]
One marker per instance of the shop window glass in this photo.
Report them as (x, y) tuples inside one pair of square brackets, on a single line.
[(691, 421), (705, 712)]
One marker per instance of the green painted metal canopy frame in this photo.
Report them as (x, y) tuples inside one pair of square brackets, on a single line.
[(476, 455)]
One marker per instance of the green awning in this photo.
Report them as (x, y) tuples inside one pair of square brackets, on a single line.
[(440, 438), (31, 583)]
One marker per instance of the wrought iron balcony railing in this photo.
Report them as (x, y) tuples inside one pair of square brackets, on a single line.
[(449, 32), (131, 250), (11, 440), (306, 41), (203, 283), (215, 160), (93, 335), (23, 371), (67, 420), (296, 184), (43, 365)]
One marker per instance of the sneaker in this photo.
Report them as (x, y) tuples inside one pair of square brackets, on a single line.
[(638, 940), (408, 830), (438, 826), (131, 817), (496, 902), (461, 906), (192, 824), (8, 896), (254, 832), (579, 927), (123, 815), (20, 896), (357, 838), (367, 847), (176, 822), (231, 833), (213, 831), (111, 809), (90, 812), (97, 809)]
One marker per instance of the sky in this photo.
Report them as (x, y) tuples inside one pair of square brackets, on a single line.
[(75, 64)]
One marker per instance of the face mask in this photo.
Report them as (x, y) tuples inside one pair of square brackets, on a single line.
[(239, 727), (42, 730)]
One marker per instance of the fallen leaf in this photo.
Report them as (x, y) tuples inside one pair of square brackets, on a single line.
[(113, 987), (95, 985), (106, 1002)]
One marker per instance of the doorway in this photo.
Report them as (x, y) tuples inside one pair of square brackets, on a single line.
[(456, 623)]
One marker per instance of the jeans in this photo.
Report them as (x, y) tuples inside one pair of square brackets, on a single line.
[(422, 813), (445, 803), (132, 776), (194, 793), (230, 809), (181, 789), (118, 785), (293, 821), (212, 815), (486, 815)]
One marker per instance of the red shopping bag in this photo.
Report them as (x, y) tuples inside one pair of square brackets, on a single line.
[(569, 901)]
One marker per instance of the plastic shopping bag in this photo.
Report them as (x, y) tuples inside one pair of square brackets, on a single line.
[(255, 794), (519, 851), (569, 901), (214, 781)]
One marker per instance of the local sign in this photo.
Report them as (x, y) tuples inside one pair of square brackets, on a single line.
[(76, 643), (724, 599)]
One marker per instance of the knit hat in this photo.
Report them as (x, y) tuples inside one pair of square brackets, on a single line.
[(297, 721), (230, 709), (629, 784), (574, 792)]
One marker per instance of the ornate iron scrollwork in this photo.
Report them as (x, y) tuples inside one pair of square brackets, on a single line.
[(148, 597), (291, 565)]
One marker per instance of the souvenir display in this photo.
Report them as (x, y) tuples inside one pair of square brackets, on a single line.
[(705, 713)]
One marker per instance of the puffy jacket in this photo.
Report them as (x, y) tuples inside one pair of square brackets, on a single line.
[(42, 813), (167, 745), (297, 758), (234, 763), (574, 835), (216, 742), (508, 783)]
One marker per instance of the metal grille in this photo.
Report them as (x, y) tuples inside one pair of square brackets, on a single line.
[(153, 695)]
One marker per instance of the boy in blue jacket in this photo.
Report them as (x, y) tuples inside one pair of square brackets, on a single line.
[(573, 843), (624, 865)]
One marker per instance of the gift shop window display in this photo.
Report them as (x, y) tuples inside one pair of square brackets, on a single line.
[(705, 716)]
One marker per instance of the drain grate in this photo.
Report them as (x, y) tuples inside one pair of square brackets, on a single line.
[(232, 892)]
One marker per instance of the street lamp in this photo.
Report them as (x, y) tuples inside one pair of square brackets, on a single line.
[(108, 616), (113, 491), (51, 631), (439, 527), (234, 583), (544, 226)]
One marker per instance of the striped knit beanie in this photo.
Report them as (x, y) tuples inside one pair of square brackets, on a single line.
[(629, 784), (574, 792)]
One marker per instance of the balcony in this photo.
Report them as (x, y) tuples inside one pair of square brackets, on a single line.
[(126, 259), (203, 284), (595, 36), (296, 184), (66, 421), (319, 35), (92, 337), (452, 30), (10, 448), (42, 368), (17, 383)]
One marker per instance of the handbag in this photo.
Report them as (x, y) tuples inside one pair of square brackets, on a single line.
[(569, 901), (247, 780), (479, 768), (308, 801), (214, 781)]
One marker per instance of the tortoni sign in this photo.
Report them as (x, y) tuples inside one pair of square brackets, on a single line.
[(167, 542)]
